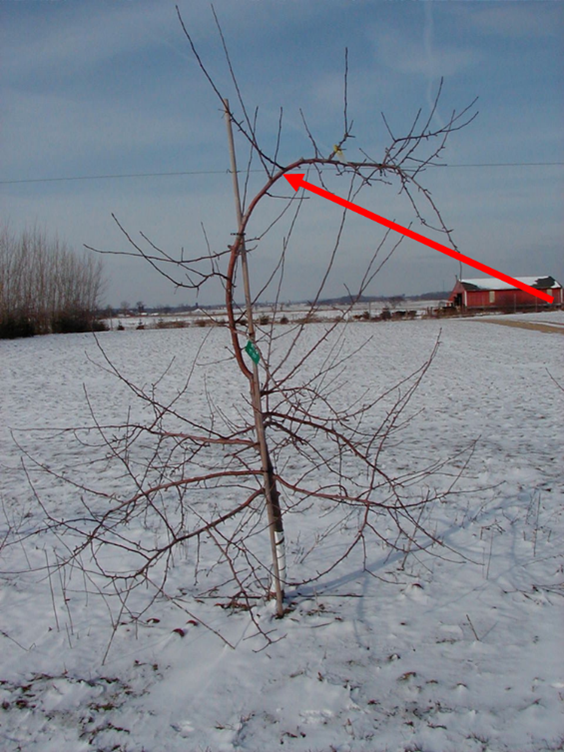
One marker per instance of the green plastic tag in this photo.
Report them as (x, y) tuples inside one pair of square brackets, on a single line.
[(252, 351)]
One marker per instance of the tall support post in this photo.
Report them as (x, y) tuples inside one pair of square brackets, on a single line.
[(272, 497)]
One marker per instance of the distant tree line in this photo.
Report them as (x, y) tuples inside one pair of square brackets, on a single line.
[(45, 287), (392, 300)]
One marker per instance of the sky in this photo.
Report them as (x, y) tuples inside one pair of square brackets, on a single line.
[(94, 92)]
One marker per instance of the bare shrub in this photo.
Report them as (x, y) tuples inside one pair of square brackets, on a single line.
[(171, 324)]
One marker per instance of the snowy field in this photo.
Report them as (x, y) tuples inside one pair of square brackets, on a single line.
[(456, 648), (290, 311)]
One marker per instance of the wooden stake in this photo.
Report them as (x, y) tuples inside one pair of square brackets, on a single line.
[(271, 494)]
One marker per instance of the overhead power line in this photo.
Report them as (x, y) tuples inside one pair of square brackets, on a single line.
[(119, 177), (227, 172), (506, 164)]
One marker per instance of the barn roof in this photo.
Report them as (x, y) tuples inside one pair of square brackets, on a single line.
[(492, 283)]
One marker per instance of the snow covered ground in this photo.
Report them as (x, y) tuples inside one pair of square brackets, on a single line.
[(290, 311), (454, 648)]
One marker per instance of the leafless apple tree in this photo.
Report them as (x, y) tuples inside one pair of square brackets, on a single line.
[(294, 439)]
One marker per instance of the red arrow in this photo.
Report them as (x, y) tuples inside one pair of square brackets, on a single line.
[(297, 181)]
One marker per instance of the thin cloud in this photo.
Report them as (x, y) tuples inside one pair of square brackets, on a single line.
[(415, 56), (76, 132), (520, 20), (81, 39)]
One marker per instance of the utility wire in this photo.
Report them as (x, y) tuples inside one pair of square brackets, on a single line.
[(505, 164), (118, 177), (227, 172)]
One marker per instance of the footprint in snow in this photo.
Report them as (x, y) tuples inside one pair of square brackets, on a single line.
[(184, 728)]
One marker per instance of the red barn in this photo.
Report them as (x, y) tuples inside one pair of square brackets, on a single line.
[(489, 293)]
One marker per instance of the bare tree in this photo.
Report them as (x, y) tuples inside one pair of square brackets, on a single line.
[(45, 286), (296, 439)]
